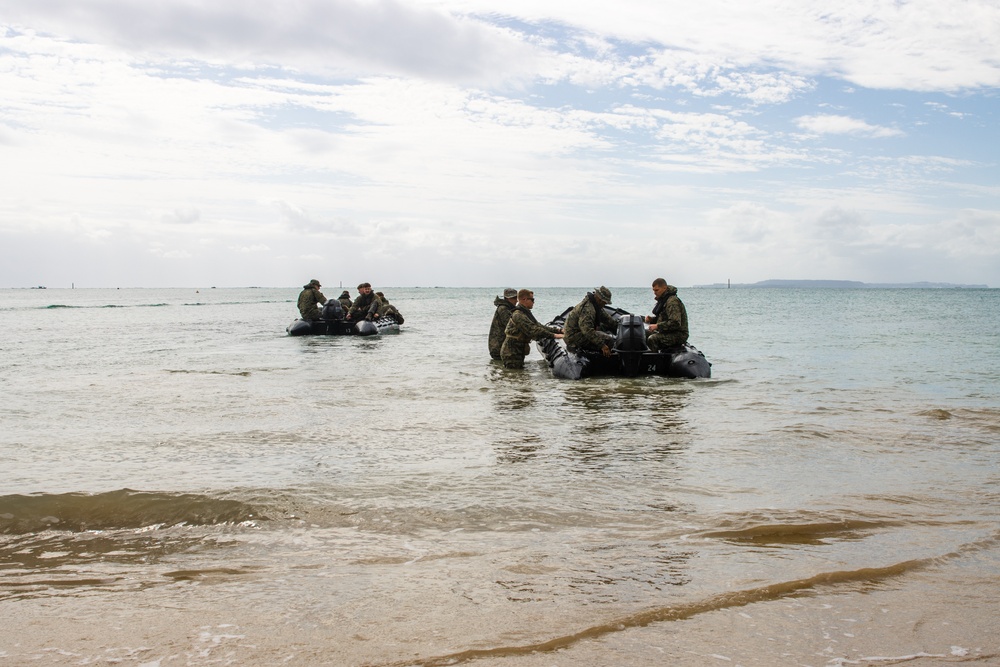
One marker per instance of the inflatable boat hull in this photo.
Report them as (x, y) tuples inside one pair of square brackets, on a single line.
[(630, 356), (342, 327), (683, 362)]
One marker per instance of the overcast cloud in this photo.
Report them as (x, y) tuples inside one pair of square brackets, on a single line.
[(465, 143)]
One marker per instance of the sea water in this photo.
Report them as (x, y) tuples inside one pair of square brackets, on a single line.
[(181, 483)]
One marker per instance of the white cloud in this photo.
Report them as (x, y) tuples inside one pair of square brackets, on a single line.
[(970, 233), (425, 137), (916, 45), (347, 36), (258, 248), (833, 124), (180, 216)]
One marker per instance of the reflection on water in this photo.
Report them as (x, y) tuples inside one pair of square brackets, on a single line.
[(601, 431), (518, 448), (512, 390)]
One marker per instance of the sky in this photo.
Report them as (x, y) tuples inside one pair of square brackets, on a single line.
[(532, 143)]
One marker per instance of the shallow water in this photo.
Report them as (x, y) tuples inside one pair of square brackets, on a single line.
[(181, 483)]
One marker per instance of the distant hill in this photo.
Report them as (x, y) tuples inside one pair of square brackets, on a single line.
[(841, 284)]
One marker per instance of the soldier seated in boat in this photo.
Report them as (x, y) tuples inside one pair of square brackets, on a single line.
[(386, 309), (668, 325), (310, 299), (588, 326), (345, 300), (366, 305)]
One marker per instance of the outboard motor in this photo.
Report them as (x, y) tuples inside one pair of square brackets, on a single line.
[(630, 343), (332, 310)]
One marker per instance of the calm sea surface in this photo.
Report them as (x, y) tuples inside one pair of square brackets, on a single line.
[(183, 484)]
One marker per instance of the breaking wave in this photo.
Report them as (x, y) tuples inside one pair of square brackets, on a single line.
[(122, 509)]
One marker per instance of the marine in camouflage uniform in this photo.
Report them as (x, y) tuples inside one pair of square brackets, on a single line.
[(671, 319), (588, 325), (310, 299), (345, 300), (504, 308), (366, 305), (386, 309), (521, 330)]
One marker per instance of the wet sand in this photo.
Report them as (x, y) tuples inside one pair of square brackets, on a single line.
[(916, 624), (928, 618)]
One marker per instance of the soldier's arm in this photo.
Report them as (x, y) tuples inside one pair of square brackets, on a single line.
[(539, 331)]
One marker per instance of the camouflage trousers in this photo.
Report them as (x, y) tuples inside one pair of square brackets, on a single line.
[(660, 341), (513, 362), (513, 352)]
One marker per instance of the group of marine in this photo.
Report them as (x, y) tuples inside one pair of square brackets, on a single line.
[(588, 326), (368, 305)]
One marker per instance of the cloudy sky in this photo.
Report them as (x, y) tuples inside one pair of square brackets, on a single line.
[(473, 143)]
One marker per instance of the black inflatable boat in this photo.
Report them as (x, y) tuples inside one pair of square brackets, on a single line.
[(332, 323), (630, 356)]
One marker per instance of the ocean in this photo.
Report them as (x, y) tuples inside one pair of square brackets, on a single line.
[(181, 483)]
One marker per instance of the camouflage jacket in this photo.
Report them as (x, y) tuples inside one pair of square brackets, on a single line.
[(588, 326), (385, 309), (499, 325), (671, 317), (364, 305), (520, 331), (309, 302)]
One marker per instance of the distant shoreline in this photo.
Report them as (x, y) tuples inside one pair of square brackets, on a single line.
[(838, 284)]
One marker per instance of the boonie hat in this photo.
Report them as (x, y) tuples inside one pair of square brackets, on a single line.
[(510, 293), (604, 293), (315, 282)]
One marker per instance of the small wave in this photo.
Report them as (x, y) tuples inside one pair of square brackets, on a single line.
[(106, 305), (190, 372), (55, 306), (122, 509), (936, 414), (237, 303), (987, 419), (211, 575), (805, 533)]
